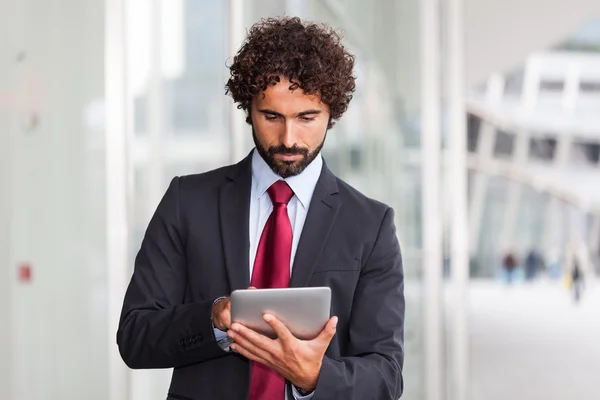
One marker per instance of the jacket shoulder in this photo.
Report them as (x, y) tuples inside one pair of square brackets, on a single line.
[(360, 203), (209, 179)]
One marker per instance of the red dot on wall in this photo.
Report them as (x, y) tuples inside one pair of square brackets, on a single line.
[(25, 273)]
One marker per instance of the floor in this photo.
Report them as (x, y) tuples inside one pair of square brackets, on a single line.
[(532, 341)]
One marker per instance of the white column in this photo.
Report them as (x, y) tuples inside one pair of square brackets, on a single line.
[(495, 89), (531, 83), (554, 210), (594, 240), (519, 157), (117, 201), (240, 131), (510, 216), (572, 84), (485, 150), (156, 112), (458, 181), (152, 384), (7, 268), (430, 185), (563, 151), (554, 230)]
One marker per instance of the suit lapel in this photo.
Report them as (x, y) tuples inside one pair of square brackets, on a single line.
[(234, 210), (323, 211)]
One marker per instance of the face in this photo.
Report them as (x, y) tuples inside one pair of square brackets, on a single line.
[(288, 127)]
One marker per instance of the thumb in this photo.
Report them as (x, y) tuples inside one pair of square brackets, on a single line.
[(329, 331)]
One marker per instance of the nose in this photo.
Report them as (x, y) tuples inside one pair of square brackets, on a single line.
[(289, 134)]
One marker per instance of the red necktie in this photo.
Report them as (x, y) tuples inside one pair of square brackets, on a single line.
[(272, 270)]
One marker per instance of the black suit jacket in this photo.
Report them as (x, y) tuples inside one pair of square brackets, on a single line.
[(196, 250)]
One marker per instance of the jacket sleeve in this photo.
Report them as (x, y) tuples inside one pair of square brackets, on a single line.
[(376, 329), (156, 328)]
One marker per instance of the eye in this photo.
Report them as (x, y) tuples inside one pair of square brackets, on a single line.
[(271, 117), (307, 118)]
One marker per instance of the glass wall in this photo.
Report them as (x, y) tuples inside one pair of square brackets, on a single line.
[(177, 73), (374, 144), (374, 147), (180, 115)]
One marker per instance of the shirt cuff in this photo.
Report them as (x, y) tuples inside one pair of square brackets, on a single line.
[(298, 396), (223, 341), (219, 334)]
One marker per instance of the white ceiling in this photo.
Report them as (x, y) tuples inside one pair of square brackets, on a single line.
[(501, 33)]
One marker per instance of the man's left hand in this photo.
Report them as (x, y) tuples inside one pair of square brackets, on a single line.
[(299, 361)]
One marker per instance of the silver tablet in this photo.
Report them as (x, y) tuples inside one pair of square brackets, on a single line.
[(305, 311)]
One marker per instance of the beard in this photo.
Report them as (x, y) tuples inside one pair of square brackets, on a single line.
[(286, 169)]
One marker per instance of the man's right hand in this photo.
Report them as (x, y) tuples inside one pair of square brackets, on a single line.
[(221, 313)]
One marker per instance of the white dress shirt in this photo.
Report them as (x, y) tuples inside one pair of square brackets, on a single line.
[(303, 186)]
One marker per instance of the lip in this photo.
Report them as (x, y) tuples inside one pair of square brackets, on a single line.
[(288, 157)]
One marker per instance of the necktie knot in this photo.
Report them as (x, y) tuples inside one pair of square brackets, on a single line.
[(280, 193)]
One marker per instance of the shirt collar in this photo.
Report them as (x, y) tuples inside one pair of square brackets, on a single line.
[(302, 184)]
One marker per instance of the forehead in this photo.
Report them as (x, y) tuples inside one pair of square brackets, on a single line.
[(281, 99)]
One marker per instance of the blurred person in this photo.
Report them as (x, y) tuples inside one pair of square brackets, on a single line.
[(542, 267), (577, 249), (577, 265), (576, 280), (532, 264), (293, 81), (509, 264)]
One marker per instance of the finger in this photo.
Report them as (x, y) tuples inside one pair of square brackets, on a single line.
[(329, 331), (240, 341), (248, 354), (255, 338), (251, 288), (283, 333)]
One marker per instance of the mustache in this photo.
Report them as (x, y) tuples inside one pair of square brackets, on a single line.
[(281, 149)]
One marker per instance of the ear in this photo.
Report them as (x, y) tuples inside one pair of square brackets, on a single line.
[(331, 123), (248, 110)]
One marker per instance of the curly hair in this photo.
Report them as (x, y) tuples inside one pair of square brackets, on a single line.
[(310, 56)]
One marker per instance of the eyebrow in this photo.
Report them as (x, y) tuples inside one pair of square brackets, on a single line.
[(300, 114)]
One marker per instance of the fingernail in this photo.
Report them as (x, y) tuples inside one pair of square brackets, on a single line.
[(267, 317), (230, 334), (235, 327)]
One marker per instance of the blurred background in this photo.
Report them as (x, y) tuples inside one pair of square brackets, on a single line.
[(477, 120)]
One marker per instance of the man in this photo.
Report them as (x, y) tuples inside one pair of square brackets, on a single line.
[(278, 218)]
